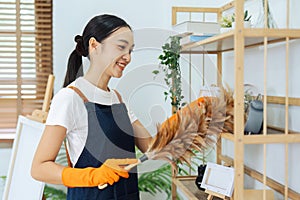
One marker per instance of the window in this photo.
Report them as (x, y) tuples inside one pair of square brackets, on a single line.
[(25, 58)]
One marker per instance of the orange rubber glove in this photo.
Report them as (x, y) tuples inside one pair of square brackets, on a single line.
[(109, 172), (173, 122)]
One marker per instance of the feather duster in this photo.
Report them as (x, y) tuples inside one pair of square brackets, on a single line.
[(196, 126)]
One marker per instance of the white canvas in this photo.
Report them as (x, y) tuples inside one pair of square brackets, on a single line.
[(19, 184), (219, 179)]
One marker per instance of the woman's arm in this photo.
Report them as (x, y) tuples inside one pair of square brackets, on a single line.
[(142, 136), (45, 169), (43, 166)]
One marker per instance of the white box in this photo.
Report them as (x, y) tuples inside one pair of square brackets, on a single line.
[(198, 28)]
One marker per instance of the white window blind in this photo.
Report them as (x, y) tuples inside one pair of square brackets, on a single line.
[(25, 58)]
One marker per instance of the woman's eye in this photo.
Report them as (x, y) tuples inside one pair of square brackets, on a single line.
[(122, 47)]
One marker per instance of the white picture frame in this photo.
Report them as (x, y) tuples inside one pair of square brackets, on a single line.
[(218, 179), (19, 183)]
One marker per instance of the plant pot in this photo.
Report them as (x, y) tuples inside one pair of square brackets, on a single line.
[(225, 29), (201, 171), (247, 24)]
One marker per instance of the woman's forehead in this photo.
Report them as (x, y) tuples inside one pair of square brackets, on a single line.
[(123, 34)]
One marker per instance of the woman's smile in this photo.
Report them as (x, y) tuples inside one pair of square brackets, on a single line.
[(121, 65)]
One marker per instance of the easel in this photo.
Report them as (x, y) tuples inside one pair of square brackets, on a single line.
[(212, 194), (41, 115)]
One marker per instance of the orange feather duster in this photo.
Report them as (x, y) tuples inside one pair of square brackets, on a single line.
[(195, 127)]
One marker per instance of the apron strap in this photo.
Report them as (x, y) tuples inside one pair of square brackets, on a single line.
[(79, 93), (119, 96), (67, 154), (84, 100)]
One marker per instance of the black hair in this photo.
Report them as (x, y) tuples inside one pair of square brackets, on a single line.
[(99, 27)]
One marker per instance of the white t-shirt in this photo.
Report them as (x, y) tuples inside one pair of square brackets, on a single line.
[(68, 110)]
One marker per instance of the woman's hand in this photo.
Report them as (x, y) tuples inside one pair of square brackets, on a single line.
[(109, 172)]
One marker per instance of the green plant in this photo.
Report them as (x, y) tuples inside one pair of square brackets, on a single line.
[(156, 181), (62, 156), (247, 17), (51, 193), (159, 180), (226, 22), (169, 63)]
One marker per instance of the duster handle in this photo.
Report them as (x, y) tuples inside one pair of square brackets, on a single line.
[(127, 168)]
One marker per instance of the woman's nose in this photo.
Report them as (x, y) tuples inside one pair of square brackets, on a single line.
[(127, 56)]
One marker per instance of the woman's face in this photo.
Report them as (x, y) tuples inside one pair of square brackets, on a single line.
[(114, 53)]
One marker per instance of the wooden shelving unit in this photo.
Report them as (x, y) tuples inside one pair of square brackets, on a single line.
[(237, 40)]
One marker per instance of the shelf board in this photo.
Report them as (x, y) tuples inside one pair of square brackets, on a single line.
[(273, 136), (253, 37), (217, 43), (188, 187)]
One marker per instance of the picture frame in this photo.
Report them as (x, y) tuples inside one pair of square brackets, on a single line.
[(19, 183), (219, 179)]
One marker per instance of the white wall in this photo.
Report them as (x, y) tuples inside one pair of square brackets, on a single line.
[(70, 19)]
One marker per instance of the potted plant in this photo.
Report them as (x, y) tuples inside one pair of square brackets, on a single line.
[(226, 23), (169, 64), (247, 20)]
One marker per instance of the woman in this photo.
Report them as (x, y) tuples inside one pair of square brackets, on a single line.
[(101, 133)]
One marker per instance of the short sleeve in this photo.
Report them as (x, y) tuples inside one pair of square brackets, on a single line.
[(131, 115), (61, 109)]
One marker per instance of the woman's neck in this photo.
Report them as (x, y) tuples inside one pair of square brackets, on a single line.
[(99, 81)]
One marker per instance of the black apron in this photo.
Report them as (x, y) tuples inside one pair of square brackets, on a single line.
[(110, 135)]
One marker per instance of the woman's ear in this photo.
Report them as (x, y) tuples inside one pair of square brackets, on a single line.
[(93, 43)]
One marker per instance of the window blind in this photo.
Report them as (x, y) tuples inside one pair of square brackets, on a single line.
[(25, 58)]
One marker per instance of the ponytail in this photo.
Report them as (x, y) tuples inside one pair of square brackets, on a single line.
[(74, 69)]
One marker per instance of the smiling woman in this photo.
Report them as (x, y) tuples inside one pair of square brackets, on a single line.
[(101, 132)]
